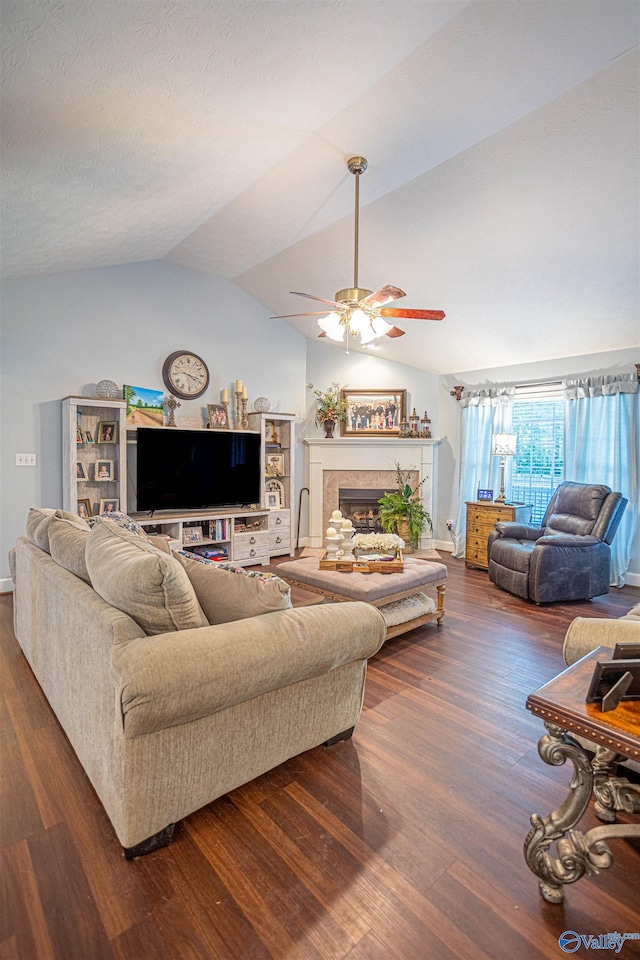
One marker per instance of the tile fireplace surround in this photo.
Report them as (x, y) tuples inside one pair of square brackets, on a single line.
[(363, 462)]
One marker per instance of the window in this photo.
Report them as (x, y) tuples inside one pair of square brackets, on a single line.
[(538, 466)]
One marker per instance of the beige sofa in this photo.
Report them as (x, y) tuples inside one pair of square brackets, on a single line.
[(165, 722)]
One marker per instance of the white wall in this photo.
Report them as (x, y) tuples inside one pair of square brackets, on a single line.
[(63, 333), (449, 417)]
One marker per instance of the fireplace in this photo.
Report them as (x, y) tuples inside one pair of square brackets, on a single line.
[(360, 505), (369, 463)]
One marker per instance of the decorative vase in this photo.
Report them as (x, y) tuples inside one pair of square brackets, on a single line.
[(402, 529), (329, 427)]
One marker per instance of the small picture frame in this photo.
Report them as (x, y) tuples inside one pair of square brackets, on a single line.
[(103, 470), (109, 505), (218, 417), (88, 436), (273, 500), (81, 473), (485, 494), (192, 535), (84, 509), (275, 465), (79, 438), (107, 431), (608, 674)]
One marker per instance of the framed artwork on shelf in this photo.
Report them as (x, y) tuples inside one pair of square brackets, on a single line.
[(79, 437), (88, 436), (373, 413), (145, 407), (109, 505), (84, 509), (275, 486), (275, 465), (192, 535), (103, 470), (107, 431), (80, 472), (273, 500), (218, 417)]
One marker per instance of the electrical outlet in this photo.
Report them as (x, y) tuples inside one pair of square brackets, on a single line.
[(25, 459)]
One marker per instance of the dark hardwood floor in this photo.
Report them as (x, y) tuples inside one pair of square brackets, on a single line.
[(403, 844)]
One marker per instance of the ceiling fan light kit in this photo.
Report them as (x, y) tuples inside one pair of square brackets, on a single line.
[(360, 312)]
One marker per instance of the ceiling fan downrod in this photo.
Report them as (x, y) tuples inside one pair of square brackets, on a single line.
[(356, 165)]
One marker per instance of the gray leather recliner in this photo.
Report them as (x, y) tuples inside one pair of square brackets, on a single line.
[(568, 557)]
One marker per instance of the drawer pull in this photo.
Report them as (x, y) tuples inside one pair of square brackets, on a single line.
[(252, 540), (278, 520), (278, 539), (252, 553)]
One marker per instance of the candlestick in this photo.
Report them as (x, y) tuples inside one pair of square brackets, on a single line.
[(244, 393), (238, 386), (245, 418), (225, 404), (225, 396), (238, 408)]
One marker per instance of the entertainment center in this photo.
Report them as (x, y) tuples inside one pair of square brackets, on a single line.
[(229, 491)]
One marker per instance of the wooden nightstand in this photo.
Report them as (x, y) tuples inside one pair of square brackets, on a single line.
[(481, 519)]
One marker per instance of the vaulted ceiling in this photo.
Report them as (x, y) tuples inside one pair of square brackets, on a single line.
[(502, 140)]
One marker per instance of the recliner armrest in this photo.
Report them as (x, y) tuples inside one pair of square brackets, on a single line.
[(568, 540), (518, 531)]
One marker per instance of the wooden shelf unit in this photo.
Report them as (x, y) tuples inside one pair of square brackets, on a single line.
[(86, 413), (277, 432), (481, 519)]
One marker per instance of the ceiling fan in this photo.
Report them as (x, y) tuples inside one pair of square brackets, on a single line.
[(360, 312)]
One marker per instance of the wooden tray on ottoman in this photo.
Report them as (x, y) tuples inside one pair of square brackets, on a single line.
[(364, 566)]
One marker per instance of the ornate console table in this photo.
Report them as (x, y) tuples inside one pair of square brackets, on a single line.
[(561, 705)]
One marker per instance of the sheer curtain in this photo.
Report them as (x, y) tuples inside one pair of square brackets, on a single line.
[(484, 412), (602, 445)]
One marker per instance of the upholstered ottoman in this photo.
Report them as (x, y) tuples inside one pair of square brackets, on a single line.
[(398, 596)]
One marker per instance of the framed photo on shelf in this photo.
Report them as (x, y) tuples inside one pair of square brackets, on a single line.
[(192, 535), (79, 437), (275, 465), (88, 436), (80, 472), (109, 506), (276, 487), (273, 500), (84, 509), (218, 417), (103, 470), (373, 413), (107, 431)]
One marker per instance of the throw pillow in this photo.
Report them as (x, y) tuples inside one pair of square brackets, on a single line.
[(228, 593), (131, 574), (38, 522), (67, 542)]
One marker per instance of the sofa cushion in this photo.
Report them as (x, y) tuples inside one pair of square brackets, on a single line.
[(131, 574), (227, 592), (67, 542), (38, 522)]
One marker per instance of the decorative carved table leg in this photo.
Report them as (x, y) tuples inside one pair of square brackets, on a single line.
[(576, 855), (440, 608), (612, 793)]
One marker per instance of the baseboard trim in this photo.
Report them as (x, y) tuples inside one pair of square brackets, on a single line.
[(632, 579), (444, 545), (6, 585)]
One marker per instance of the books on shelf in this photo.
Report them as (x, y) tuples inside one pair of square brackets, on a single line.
[(220, 528)]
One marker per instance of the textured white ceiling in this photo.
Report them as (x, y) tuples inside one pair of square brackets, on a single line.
[(502, 139)]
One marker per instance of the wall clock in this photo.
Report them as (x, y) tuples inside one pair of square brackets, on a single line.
[(185, 375)]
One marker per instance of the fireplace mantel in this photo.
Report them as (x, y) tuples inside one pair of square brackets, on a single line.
[(366, 453)]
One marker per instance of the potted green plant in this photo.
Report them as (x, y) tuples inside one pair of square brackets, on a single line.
[(331, 408), (402, 510)]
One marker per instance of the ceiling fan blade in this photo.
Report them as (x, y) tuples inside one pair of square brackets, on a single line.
[(385, 295), (412, 314), (288, 316), (323, 334), (310, 296), (395, 332)]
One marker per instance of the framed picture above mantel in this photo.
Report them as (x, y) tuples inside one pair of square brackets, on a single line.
[(373, 413)]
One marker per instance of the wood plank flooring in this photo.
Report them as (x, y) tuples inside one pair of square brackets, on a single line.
[(403, 844)]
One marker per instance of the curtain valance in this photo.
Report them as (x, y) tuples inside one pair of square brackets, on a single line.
[(600, 386)]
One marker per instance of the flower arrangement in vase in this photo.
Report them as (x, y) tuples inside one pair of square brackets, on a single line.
[(330, 408)]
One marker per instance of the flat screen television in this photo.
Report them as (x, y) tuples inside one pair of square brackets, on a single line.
[(194, 469)]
